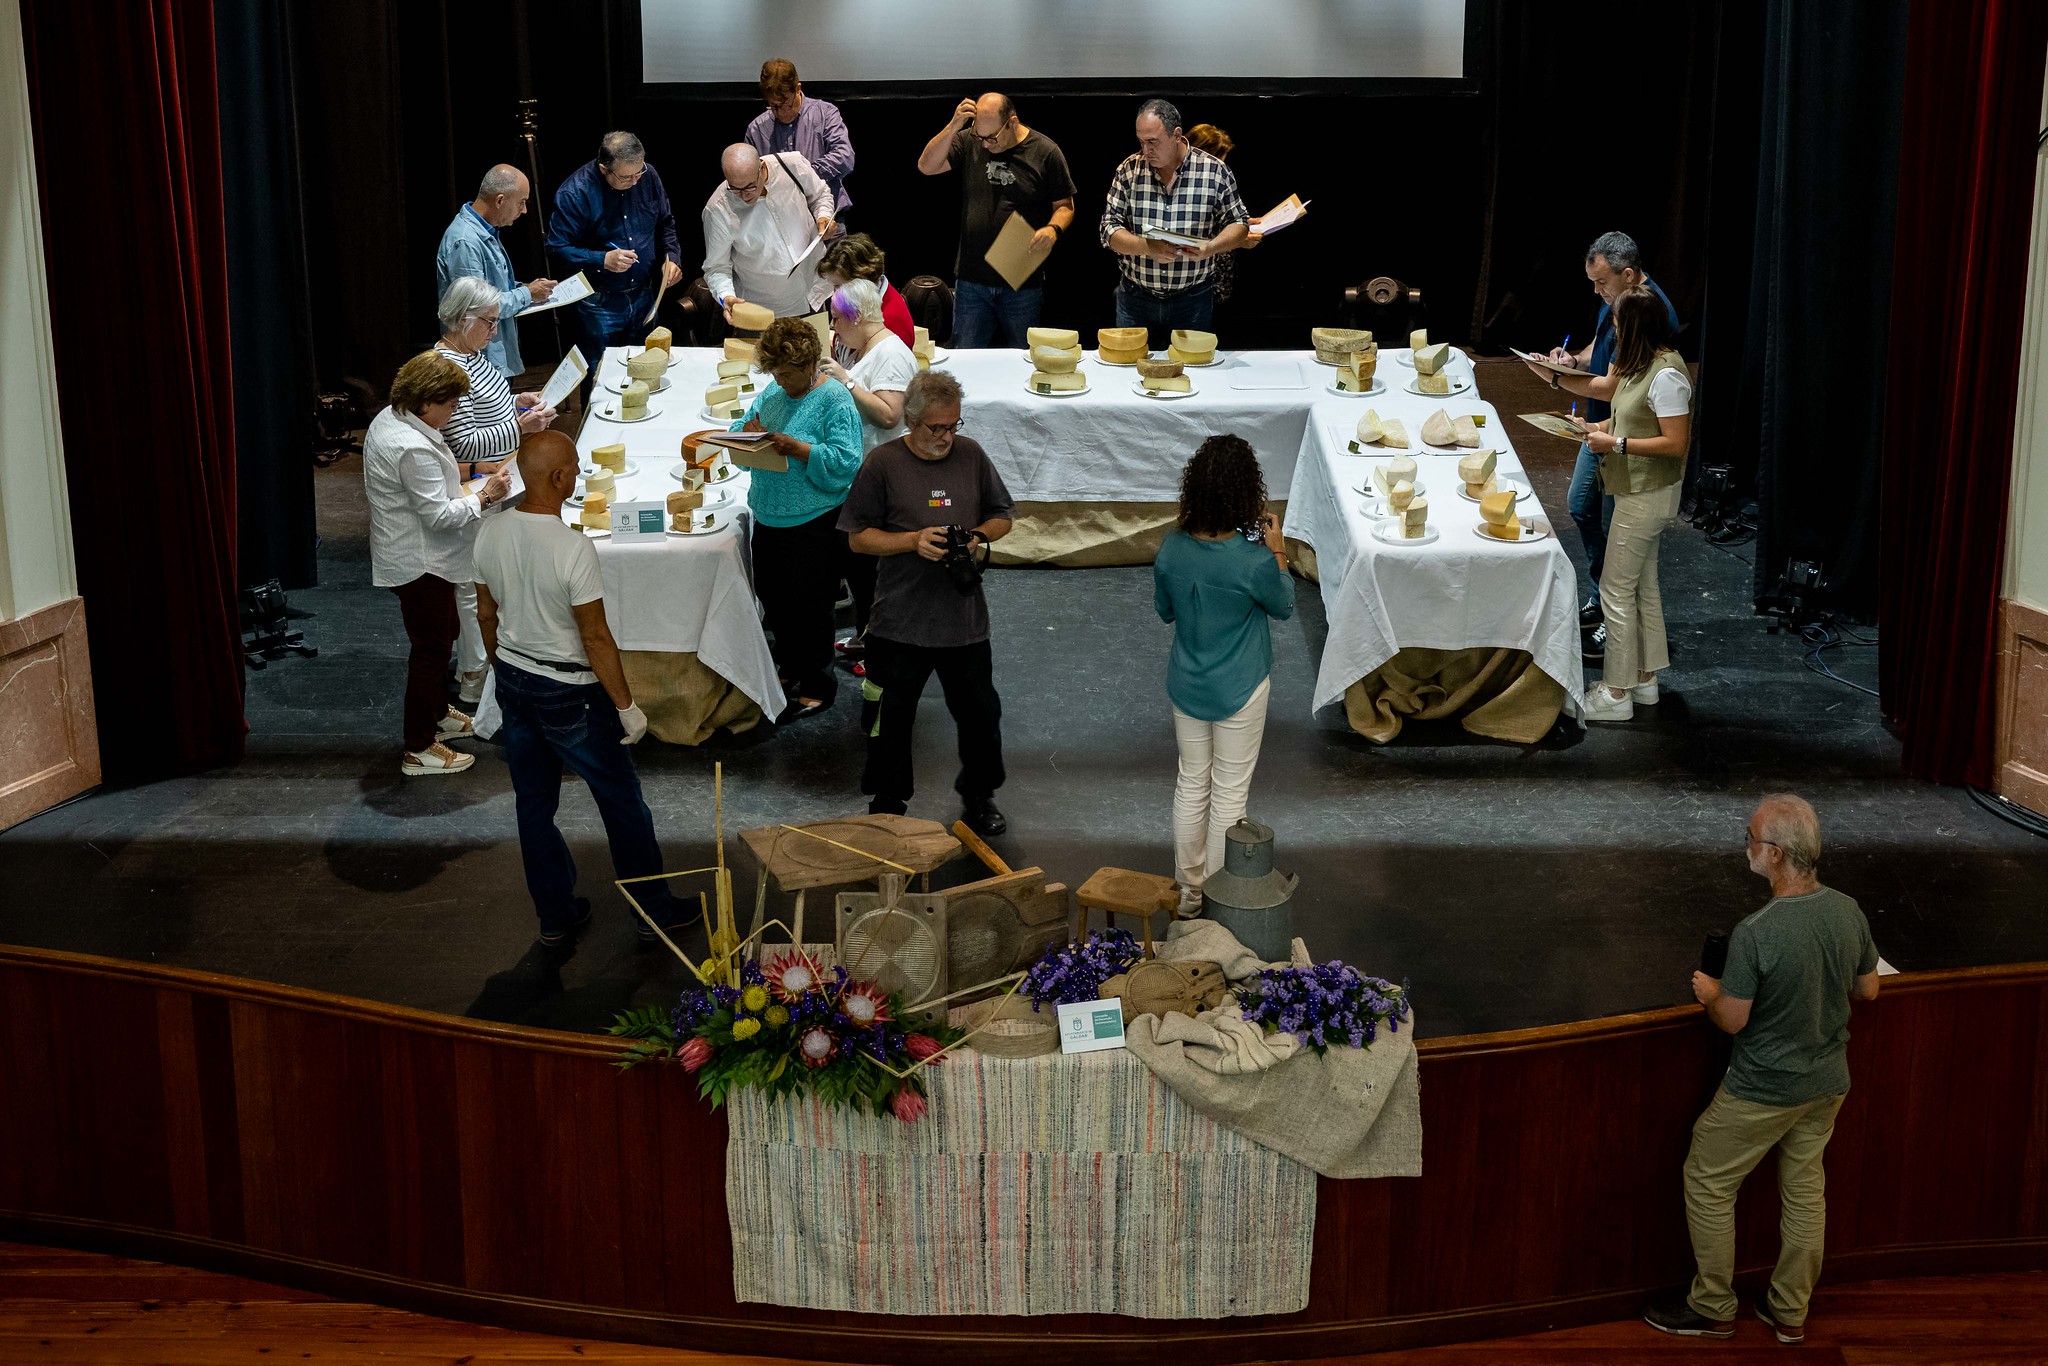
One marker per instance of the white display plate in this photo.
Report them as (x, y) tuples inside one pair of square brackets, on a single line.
[(1521, 489), (619, 386), (1421, 488), (1429, 534), (1529, 534), (1138, 388), (1458, 386), (1379, 386), (1221, 356), (1055, 393), (675, 356), (609, 412), (1096, 356), (590, 467), (725, 475), (716, 497), (706, 415), (696, 530)]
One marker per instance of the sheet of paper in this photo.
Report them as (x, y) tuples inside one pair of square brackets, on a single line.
[(1012, 255), (1548, 364), (563, 382), (1280, 215), (1269, 375), (1178, 239), (567, 291), (821, 325), (1557, 424), (657, 296), (752, 450)]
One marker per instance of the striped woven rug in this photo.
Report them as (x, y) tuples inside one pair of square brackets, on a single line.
[(1051, 1185)]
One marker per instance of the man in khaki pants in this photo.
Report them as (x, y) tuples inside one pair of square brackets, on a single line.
[(1793, 968)]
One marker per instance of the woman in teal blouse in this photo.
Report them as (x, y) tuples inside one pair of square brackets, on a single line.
[(1218, 578), (799, 552)]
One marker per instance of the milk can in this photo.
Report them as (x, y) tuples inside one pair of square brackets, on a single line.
[(1248, 898)]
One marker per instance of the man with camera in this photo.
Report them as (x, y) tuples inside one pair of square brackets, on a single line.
[(927, 505)]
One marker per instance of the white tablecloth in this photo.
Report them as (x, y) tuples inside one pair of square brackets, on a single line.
[(691, 594), (1114, 445), (1461, 591)]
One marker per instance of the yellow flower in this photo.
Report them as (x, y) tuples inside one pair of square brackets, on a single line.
[(745, 1027), (777, 1016), (754, 998)]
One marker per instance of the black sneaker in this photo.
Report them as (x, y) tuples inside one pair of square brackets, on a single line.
[(562, 939), (1593, 648), (1589, 613), (1673, 1314), (982, 817), (1792, 1334)]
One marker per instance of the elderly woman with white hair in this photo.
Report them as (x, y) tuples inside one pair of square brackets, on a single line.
[(483, 434)]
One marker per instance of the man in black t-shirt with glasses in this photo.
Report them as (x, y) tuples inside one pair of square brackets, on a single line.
[(1006, 168), (927, 505)]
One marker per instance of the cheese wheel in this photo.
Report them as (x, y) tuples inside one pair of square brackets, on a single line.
[(595, 518), (1055, 360), (1476, 469), (1368, 428), (634, 400), (611, 457), (1502, 531), (1433, 384), (1342, 340), (683, 500), (1188, 340), (1186, 357), (1436, 428), (602, 483), (751, 317), (659, 339), (738, 348), (1401, 495), (1430, 360), (1498, 507), (720, 393), (1393, 432), (1168, 384), (647, 365), (734, 369), (1419, 338), (1121, 339), (1059, 338), (1350, 381), (1158, 369), (1058, 382), (1114, 357)]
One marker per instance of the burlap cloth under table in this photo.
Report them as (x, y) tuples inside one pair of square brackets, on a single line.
[(684, 700)]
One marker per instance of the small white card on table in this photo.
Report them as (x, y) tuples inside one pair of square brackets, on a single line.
[(1086, 1026), (639, 521)]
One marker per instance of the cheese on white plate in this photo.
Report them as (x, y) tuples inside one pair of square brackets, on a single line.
[(1058, 382), (720, 393), (1158, 369), (1368, 428), (1415, 518), (1120, 339), (739, 348), (659, 339), (1429, 360), (1433, 384), (1168, 384), (1401, 495), (734, 369), (919, 335), (1055, 360), (1476, 469), (1419, 338), (1436, 428), (1464, 431), (1193, 342), (1393, 432), (1058, 338)]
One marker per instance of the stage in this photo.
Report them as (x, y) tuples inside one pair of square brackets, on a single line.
[(1512, 886)]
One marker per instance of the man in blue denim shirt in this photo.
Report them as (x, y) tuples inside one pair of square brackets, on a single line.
[(471, 246), (613, 223), (540, 601), (1615, 265)]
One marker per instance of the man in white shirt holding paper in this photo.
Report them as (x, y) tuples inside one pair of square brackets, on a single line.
[(764, 232)]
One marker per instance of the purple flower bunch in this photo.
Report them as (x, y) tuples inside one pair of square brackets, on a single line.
[(1322, 1005), (1076, 972)]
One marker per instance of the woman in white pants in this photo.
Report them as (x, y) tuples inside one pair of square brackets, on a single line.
[(1219, 578), (1642, 448)]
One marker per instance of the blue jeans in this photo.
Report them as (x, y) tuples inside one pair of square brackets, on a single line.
[(1194, 308), (993, 315), (1591, 510), (550, 723)]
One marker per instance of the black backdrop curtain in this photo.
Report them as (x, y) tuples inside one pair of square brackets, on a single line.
[(1793, 362), (128, 154)]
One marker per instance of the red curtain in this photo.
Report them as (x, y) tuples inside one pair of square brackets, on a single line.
[(1959, 283), (128, 153)]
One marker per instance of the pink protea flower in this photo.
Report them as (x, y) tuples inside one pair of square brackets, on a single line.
[(908, 1105), (816, 1046), (922, 1046), (864, 1004), (695, 1054), (791, 975)]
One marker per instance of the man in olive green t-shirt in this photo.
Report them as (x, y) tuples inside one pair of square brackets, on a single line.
[(1793, 968)]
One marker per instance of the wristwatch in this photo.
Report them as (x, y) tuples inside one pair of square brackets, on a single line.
[(1554, 377), (1622, 445)]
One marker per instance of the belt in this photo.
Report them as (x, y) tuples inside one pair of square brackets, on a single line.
[(559, 665), (1207, 281)]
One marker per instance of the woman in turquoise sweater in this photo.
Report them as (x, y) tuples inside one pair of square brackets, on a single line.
[(799, 552), (1220, 576)]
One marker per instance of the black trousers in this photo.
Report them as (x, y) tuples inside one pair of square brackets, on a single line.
[(967, 674), (796, 575)]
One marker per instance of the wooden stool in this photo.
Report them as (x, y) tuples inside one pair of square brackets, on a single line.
[(1120, 891), (838, 853)]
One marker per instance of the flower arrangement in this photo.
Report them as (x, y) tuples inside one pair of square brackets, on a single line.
[(1076, 972), (787, 1027), (1322, 1005)]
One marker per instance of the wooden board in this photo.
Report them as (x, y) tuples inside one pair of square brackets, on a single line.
[(796, 862)]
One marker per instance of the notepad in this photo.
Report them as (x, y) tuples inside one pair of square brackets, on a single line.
[(568, 291), (1011, 255), (563, 382)]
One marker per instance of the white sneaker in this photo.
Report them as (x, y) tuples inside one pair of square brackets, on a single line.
[(433, 761), (1644, 694), (454, 726), (471, 687), (1602, 705)]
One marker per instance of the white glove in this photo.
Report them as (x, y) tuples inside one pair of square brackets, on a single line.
[(635, 722)]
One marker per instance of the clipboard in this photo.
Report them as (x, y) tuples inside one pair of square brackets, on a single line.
[(1011, 255), (575, 289), (1556, 424), (752, 450), (657, 295), (1553, 366)]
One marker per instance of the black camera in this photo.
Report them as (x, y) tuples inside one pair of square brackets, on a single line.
[(959, 563)]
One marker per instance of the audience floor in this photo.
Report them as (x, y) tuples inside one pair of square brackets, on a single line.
[(1510, 886)]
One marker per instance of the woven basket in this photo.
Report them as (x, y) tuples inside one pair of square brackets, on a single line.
[(1008, 1027)]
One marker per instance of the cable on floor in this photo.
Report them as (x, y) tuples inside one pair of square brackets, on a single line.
[(2010, 812)]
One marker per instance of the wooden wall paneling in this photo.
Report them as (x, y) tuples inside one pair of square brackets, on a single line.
[(642, 1154), (214, 1096), (423, 1159), (28, 1092), (111, 1114), (255, 1123), (184, 1113)]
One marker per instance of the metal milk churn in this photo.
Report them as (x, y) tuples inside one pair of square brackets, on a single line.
[(1248, 898)]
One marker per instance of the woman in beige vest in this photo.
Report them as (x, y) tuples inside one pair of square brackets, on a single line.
[(1642, 449)]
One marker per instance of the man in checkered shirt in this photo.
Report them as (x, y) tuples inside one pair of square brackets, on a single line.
[(1168, 184)]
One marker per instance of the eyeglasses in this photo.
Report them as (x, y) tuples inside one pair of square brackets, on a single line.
[(942, 428), (1749, 838), (991, 139)]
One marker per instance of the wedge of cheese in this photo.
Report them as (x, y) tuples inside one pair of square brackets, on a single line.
[(1108, 339), (600, 485), (1190, 357), (1158, 369), (1393, 432), (1430, 360), (693, 475), (1401, 495), (1415, 518), (1399, 470), (660, 339), (920, 336), (1043, 381), (739, 348), (684, 500), (1333, 344), (1111, 357), (633, 402), (1465, 432), (1419, 338), (648, 365), (1368, 428), (1058, 338), (596, 515), (1167, 384), (1054, 360), (1197, 343), (1498, 513), (1433, 384), (1353, 378), (611, 457), (1475, 470), (720, 393), (734, 370), (752, 317), (1436, 428), (726, 412)]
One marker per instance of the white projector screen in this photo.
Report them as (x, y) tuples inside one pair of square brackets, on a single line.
[(1134, 43)]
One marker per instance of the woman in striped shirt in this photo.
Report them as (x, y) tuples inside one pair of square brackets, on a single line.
[(484, 432)]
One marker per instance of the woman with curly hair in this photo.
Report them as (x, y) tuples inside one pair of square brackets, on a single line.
[(799, 551), (1220, 575)]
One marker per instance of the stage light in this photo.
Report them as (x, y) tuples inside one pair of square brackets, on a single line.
[(1796, 595), (266, 632)]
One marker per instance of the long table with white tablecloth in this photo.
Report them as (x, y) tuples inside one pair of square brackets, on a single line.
[(1423, 604)]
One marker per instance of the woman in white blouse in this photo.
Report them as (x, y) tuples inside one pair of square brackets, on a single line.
[(422, 527), (882, 369), (485, 431)]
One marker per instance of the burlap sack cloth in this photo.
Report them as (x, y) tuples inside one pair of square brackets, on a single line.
[(1350, 1112)]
